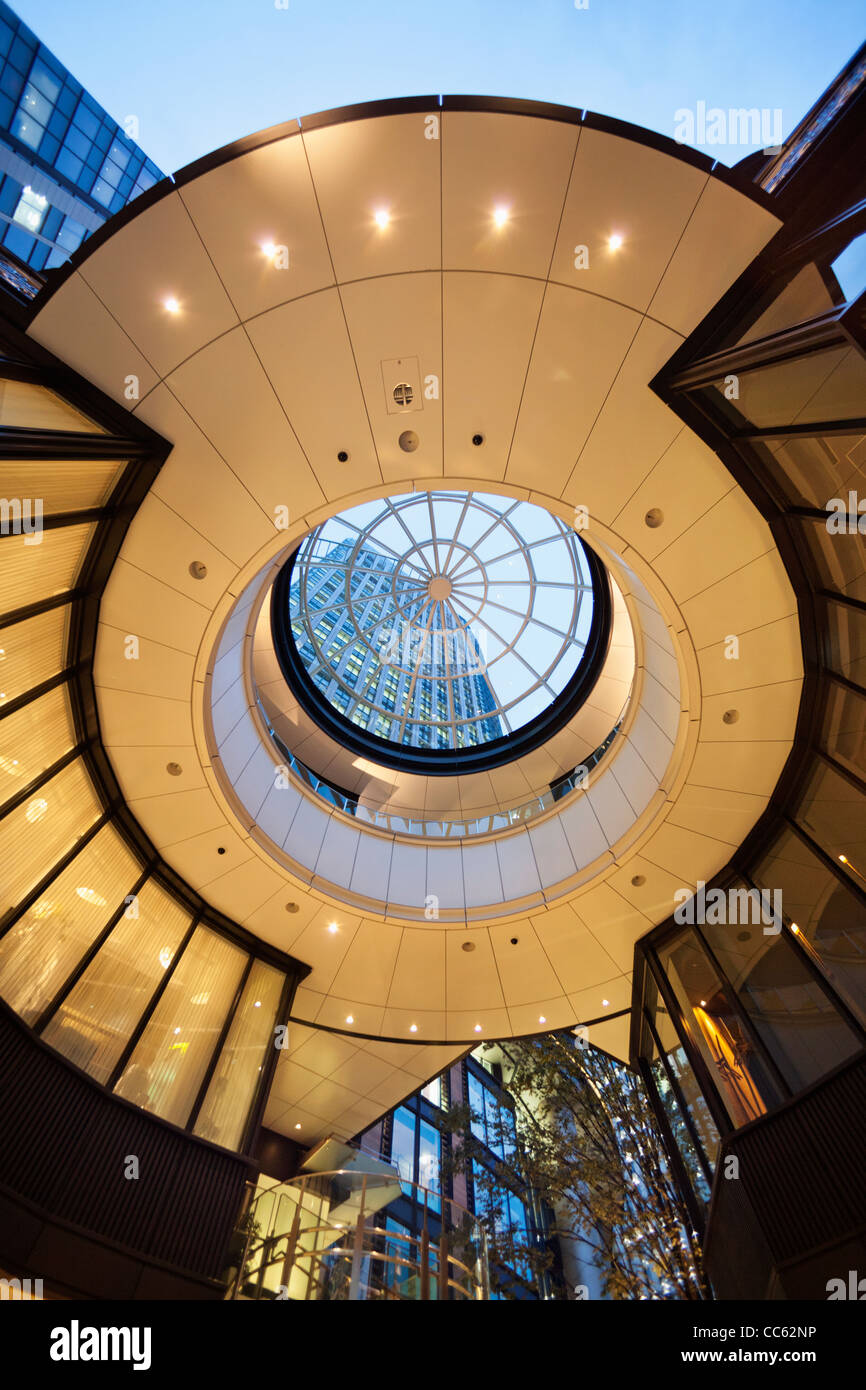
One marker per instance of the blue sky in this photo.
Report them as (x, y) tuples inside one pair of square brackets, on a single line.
[(201, 73)]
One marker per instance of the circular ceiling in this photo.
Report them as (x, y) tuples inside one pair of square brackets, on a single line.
[(443, 620)]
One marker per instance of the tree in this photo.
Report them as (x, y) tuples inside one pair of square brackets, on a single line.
[(590, 1150)]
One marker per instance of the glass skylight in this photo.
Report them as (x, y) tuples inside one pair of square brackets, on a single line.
[(441, 619)]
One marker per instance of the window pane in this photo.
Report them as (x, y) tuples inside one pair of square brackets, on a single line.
[(167, 1066), (33, 738), (719, 1033), (428, 1162), (403, 1146), (831, 811), (798, 1023), (813, 469), (43, 948), (825, 385), (31, 651), (65, 486), (433, 1091), (96, 1019), (681, 1068), (846, 628), (476, 1105), (233, 1085), (841, 559), (30, 572), (830, 919), (40, 831), (844, 735), (23, 404)]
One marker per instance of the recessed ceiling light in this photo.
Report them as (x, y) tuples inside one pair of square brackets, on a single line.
[(795, 929), (297, 1126), (605, 1002), (91, 896), (843, 859), (413, 1027), (703, 1003), (478, 1027), (269, 249), (349, 1018), (332, 927), (176, 1031), (541, 1018), (383, 217), (500, 216), (614, 241), (171, 305), (257, 1004)]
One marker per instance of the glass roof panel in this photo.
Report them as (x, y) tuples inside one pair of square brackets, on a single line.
[(433, 619)]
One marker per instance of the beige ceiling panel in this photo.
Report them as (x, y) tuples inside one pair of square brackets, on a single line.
[(307, 1003), (336, 1012), (325, 950), (76, 326), (478, 1024), (583, 832), (490, 321), (590, 1003), (517, 867), (757, 594), (400, 317), (573, 951), (385, 164), (258, 779), (682, 850), (140, 606), (419, 971), (300, 1125), (611, 806), (142, 771), (320, 1052), (244, 888), (524, 969), (654, 747), (748, 767), (719, 543), (685, 483), (542, 1016), (726, 232), (763, 713), (306, 832), (336, 857), (162, 543), (170, 263), (615, 923), (612, 1036), (429, 1023), (631, 433), (195, 482), (472, 977), (395, 1086), (660, 705), (199, 861), (426, 1062), (330, 1101), (273, 922), (727, 815), (773, 649), (143, 720), (367, 967), (305, 350), (623, 188), (653, 893), (155, 670), (177, 815), (292, 1081), (228, 711), (551, 850), (494, 161), (370, 873), (264, 198), (246, 423)]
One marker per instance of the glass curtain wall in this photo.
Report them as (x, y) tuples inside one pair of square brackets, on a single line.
[(96, 955)]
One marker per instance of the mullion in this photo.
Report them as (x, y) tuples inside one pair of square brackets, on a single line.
[(38, 782), (42, 605), (678, 1094), (28, 696), (15, 914)]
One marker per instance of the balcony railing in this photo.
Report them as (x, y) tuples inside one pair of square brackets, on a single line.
[(329, 1237)]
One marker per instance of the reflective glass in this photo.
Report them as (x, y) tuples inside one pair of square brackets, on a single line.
[(233, 1085), (33, 738), (31, 651), (437, 620), (96, 1019), (42, 828), (41, 950), (170, 1059)]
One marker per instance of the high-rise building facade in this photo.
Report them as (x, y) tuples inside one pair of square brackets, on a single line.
[(66, 165)]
